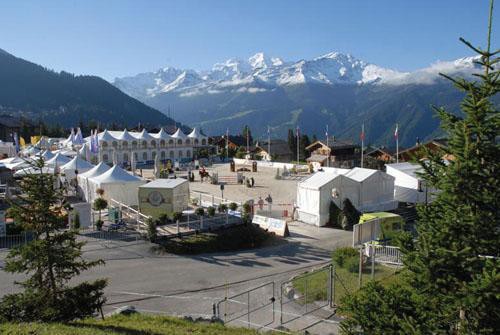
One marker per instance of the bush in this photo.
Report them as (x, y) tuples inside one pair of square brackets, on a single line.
[(177, 216), (233, 206), (163, 219), (76, 221), (351, 215), (222, 208), (72, 303), (199, 211), (151, 230), (340, 255), (98, 224), (211, 211), (352, 264)]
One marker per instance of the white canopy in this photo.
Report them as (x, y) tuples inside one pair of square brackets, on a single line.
[(75, 164), (162, 135), (117, 184), (125, 136), (28, 151), (32, 170), (59, 160), (314, 195), (106, 136), (368, 190), (144, 136), (179, 134), (46, 155), (196, 133), (408, 187), (93, 172)]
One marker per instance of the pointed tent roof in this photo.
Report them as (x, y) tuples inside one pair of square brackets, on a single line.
[(77, 164), (179, 134), (82, 151), (43, 142), (106, 136), (115, 175), (30, 150), (125, 136), (96, 170), (196, 133), (360, 174), (58, 159), (46, 155), (162, 135), (144, 135)]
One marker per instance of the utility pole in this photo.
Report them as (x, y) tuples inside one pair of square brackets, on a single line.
[(298, 145), (362, 142), (328, 148), (269, 143)]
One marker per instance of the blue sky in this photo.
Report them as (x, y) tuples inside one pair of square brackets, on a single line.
[(114, 38)]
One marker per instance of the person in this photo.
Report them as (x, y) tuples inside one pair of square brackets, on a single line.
[(252, 181), (261, 203), (269, 201)]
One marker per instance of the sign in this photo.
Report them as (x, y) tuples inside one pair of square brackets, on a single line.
[(277, 226), (3, 226)]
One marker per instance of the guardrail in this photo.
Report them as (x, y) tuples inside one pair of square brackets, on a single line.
[(131, 213)]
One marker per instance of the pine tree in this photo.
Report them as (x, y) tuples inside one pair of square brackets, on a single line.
[(50, 261), (453, 267)]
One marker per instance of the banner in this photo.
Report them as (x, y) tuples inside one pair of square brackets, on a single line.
[(277, 226)]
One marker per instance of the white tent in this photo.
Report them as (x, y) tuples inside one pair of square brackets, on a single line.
[(162, 135), (75, 164), (179, 134), (314, 195), (59, 160), (368, 190), (46, 155), (33, 170), (408, 186), (83, 178), (14, 162), (117, 184), (28, 151)]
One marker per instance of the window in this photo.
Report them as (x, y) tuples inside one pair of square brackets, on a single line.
[(162, 143), (134, 144), (180, 154), (124, 145), (172, 154), (203, 142), (153, 155), (188, 153), (188, 141), (171, 142), (105, 158), (144, 144), (196, 141), (104, 144), (179, 142), (136, 157), (145, 156), (153, 144), (125, 157), (115, 144), (163, 155)]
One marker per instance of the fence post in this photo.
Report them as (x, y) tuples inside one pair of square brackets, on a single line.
[(248, 308), (178, 232), (213, 200), (305, 292), (372, 247), (330, 284), (360, 266), (281, 304), (333, 286)]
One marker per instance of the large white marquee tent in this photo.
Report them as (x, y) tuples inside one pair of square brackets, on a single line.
[(408, 186), (368, 190), (117, 184), (75, 164), (83, 179)]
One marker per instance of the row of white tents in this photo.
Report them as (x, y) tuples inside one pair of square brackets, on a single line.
[(368, 190)]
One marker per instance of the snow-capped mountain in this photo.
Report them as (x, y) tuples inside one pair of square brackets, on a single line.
[(263, 72)]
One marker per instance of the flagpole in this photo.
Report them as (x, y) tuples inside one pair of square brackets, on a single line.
[(362, 142), (328, 146), (227, 144), (269, 143), (397, 143), (298, 145)]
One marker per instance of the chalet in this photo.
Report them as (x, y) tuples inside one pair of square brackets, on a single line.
[(418, 151), (334, 153), (381, 154), (233, 142), (276, 151)]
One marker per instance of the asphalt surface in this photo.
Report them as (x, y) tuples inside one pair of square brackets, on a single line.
[(191, 285)]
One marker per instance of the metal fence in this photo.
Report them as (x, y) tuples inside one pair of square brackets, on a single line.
[(253, 308), (124, 236), (307, 294), (12, 241), (203, 224), (210, 200)]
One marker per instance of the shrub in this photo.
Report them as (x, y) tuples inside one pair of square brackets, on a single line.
[(177, 216), (163, 219), (98, 224), (200, 211), (233, 206), (76, 220), (151, 230), (340, 255), (211, 211), (352, 264), (222, 208), (351, 215)]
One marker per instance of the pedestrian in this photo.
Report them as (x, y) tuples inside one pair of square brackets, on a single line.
[(269, 201), (252, 181), (261, 203)]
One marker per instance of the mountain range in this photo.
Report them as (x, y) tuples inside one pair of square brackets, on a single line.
[(35, 92), (334, 89)]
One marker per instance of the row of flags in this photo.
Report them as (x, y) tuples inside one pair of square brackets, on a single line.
[(76, 138)]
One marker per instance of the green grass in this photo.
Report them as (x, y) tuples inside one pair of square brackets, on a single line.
[(345, 282), (138, 324), (231, 239)]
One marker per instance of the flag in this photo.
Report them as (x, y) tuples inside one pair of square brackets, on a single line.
[(268, 130), (22, 142), (362, 135), (298, 131), (78, 138), (326, 132), (16, 141), (87, 152), (396, 132), (72, 136)]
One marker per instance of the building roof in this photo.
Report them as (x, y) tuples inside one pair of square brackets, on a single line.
[(179, 134), (196, 133), (125, 136), (164, 183), (96, 170), (162, 135), (410, 169), (321, 178), (317, 158), (278, 147), (360, 174), (333, 144), (115, 175)]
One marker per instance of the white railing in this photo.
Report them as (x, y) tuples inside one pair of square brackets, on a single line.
[(385, 254), (210, 200), (131, 213)]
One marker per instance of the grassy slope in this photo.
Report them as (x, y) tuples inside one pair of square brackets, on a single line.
[(345, 282), (124, 325)]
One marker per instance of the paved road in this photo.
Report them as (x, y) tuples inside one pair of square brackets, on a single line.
[(189, 285)]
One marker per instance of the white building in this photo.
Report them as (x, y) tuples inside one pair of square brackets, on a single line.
[(121, 145), (408, 186)]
